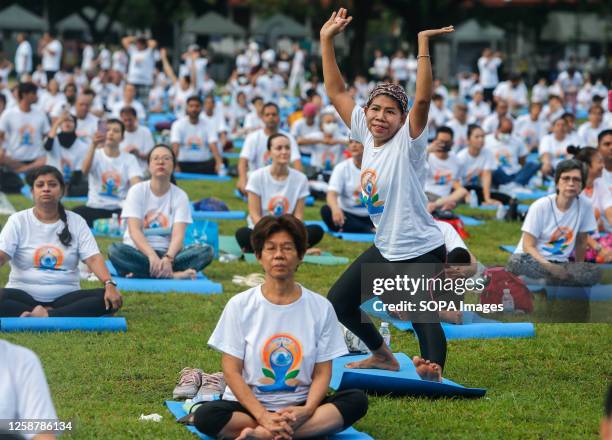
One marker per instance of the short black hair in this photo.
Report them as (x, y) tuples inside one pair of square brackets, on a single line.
[(194, 98), (445, 129), (458, 256), (118, 122), (602, 135), (269, 225), (472, 128), (26, 87), (271, 104), (571, 164), (274, 136), (128, 109)]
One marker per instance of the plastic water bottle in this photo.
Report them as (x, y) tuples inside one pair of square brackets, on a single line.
[(551, 186), (222, 170), (385, 333), (113, 227), (501, 212), (473, 199), (507, 301)]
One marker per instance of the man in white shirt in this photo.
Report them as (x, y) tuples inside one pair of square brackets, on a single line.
[(551, 112), (194, 143), (23, 56), (439, 115), (214, 120), (570, 81), (22, 130), (459, 126), (380, 67), (478, 108), (88, 57), (129, 100), (399, 68), (528, 128), (513, 92), (491, 122), (604, 146), (141, 66), (588, 132), (51, 51), (255, 154), (443, 185), (305, 126), (137, 139), (488, 64)]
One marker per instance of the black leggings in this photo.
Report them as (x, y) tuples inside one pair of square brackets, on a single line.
[(346, 298), (206, 167), (352, 222), (243, 237), (13, 302), (91, 214), (495, 195), (211, 417)]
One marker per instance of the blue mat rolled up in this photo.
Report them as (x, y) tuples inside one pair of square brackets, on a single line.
[(97, 324), (196, 176), (535, 194), (176, 408), (508, 248), (406, 381), (348, 236), (470, 221), (231, 155), (217, 215)]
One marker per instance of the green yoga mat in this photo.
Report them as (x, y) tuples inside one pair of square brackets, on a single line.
[(229, 245)]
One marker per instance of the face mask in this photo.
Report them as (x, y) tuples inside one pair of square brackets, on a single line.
[(504, 137), (66, 139), (226, 99), (330, 128), (242, 80)]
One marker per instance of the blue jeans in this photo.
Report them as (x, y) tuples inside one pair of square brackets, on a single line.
[(522, 177), (128, 259)]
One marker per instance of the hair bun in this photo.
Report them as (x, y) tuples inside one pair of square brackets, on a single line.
[(573, 150)]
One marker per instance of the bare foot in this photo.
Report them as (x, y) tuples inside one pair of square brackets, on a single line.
[(427, 370), (185, 274), (25, 315), (449, 206), (259, 433), (39, 312), (454, 317), (379, 361)]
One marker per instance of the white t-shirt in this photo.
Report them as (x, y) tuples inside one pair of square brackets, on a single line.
[(156, 212), (255, 149), (141, 66), (488, 71), (215, 122), (109, 179), (24, 392), (399, 69), (47, 102), (324, 156), (142, 139), (491, 122), (279, 352), (178, 99), (278, 197), (40, 264), (588, 135), (88, 58), (556, 149), (301, 129), (23, 58), (506, 152), (381, 66), (116, 108), (442, 173), (392, 181), (252, 120), (53, 61), (24, 133), (345, 181), (86, 128), (478, 111), (459, 134), (600, 197), (120, 61), (554, 230), (472, 167), (193, 140), (517, 95), (528, 130), (452, 239), (67, 160)]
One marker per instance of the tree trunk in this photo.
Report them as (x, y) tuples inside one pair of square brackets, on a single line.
[(359, 27)]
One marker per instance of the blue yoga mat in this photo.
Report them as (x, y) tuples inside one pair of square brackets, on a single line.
[(99, 324), (348, 236), (598, 292), (201, 285), (309, 201), (508, 248), (522, 208), (27, 192), (176, 408), (196, 176), (217, 215), (406, 381), (231, 155), (474, 326), (470, 221), (535, 194)]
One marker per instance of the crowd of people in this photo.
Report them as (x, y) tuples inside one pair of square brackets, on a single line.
[(389, 154)]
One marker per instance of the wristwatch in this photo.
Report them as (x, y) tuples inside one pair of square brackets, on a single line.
[(107, 282)]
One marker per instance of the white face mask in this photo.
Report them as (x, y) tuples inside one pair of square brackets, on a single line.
[(330, 127), (504, 137)]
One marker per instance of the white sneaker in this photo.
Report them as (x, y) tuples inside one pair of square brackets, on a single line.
[(188, 383)]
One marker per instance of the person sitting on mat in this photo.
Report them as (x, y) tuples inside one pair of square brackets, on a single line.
[(345, 210), (194, 143), (277, 189), (557, 225), (157, 214), (66, 152), (477, 166), (44, 245), (327, 152), (110, 173), (278, 368)]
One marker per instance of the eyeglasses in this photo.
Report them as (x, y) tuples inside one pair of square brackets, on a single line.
[(161, 158), (567, 179)]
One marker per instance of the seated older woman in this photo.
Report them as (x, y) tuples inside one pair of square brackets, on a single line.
[(278, 368), (44, 245), (557, 225)]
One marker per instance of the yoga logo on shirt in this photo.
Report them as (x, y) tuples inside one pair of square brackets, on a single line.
[(442, 177), (369, 192), (278, 205), (48, 257), (473, 176), (281, 356), (111, 181), (328, 159), (504, 158), (26, 135), (358, 202), (155, 219), (559, 241), (66, 166), (82, 135), (194, 142), (267, 158)]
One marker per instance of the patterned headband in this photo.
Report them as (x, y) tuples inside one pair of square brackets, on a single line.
[(394, 91)]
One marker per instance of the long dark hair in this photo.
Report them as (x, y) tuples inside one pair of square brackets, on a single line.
[(65, 236)]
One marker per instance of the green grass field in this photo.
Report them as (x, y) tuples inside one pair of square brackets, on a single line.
[(550, 386)]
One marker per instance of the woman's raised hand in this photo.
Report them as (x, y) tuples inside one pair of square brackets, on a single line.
[(337, 23), (435, 32)]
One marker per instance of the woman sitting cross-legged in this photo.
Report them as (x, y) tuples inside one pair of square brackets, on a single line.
[(44, 245), (157, 214), (277, 190), (278, 368)]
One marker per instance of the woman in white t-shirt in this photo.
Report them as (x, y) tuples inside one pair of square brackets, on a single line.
[(157, 214), (392, 178), (345, 210), (44, 246), (553, 146), (278, 368), (276, 189), (66, 152), (181, 88), (556, 226)]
